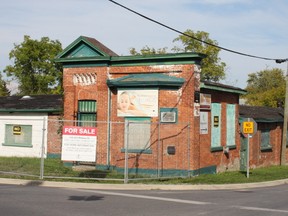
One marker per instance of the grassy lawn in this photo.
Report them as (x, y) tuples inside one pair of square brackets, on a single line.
[(14, 167)]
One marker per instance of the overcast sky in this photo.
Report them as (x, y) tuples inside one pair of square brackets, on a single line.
[(250, 26)]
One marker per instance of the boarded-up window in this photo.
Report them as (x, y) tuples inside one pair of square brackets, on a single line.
[(265, 139), (230, 125), (215, 125), (137, 133), (18, 135), (87, 113)]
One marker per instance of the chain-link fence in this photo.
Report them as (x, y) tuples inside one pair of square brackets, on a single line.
[(136, 149)]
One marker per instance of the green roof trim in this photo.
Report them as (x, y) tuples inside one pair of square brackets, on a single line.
[(167, 59), (221, 87), (88, 51), (84, 47), (262, 120), (146, 80)]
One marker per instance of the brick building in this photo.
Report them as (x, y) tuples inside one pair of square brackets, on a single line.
[(29, 123), (151, 111), (265, 145)]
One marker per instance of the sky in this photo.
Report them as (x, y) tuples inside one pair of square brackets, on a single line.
[(253, 27)]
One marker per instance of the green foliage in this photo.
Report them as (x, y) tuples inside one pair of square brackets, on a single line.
[(3, 88), (34, 68), (212, 67), (266, 88), (148, 51)]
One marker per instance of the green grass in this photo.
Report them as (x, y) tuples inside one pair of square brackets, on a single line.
[(29, 168)]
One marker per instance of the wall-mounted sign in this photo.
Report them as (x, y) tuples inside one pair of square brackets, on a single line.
[(137, 103), (203, 122), (205, 101), (17, 130), (216, 121)]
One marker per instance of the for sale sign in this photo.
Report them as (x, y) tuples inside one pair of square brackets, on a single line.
[(79, 143)]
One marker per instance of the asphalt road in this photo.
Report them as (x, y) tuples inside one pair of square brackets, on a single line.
[(35, 200)]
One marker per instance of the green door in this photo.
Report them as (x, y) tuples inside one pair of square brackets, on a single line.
[(243, 153)]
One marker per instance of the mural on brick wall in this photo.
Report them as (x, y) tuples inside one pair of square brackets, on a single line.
[(134, 102)]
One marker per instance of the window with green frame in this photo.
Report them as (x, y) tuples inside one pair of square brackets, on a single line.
[(265, 139), (137, 135), (18, 135), (87, 113)]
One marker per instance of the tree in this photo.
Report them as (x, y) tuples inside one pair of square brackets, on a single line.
[(266, 88), (212, 67), (34, 68), (3, 88), (148, 51)]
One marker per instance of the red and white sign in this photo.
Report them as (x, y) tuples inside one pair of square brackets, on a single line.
[(80, 131), (79, 143)]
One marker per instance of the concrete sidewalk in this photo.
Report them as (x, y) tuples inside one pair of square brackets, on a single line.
[(130, 186)]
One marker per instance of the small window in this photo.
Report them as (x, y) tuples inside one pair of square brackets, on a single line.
[(18, 135), (87, 113), (168, 115), (137, 135), (265, 139)]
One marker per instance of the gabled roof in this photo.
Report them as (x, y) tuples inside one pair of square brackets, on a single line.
[(146, 80), (261, 114), (221, 87), (85, 47), (86, 51), (35, 103)]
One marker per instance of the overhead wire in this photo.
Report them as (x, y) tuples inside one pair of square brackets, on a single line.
[(187, 35)]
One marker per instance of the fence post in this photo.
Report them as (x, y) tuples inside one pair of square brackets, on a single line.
[(43, 149), (158, 151), (189, 172), (126, 152)]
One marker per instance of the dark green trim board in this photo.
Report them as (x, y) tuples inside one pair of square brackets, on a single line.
[(162, 172), (215, 149), (220, 87), (89, 51), (168, 59), (158, 59), (53, 155), (141, 151), (146, 80)]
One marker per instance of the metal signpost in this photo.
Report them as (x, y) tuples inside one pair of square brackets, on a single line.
[(248, 129)]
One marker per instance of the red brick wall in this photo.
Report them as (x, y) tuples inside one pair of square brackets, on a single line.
[(98, 92), (192, 149), (266, 158), (170, 134), (54, 138), (208, 157)]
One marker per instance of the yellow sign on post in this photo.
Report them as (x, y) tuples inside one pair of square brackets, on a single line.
[(248, 127)]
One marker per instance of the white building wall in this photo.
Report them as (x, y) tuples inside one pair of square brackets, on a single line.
[(36, 120)]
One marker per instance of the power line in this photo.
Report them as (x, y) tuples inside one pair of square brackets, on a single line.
[(182, 33)]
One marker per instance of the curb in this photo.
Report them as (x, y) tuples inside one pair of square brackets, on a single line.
[(99, 186)]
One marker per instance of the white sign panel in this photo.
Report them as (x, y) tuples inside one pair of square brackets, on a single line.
[(79, 143), (203, 122), (137, 103)]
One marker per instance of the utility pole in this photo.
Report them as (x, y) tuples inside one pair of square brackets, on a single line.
[(284, 131)]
